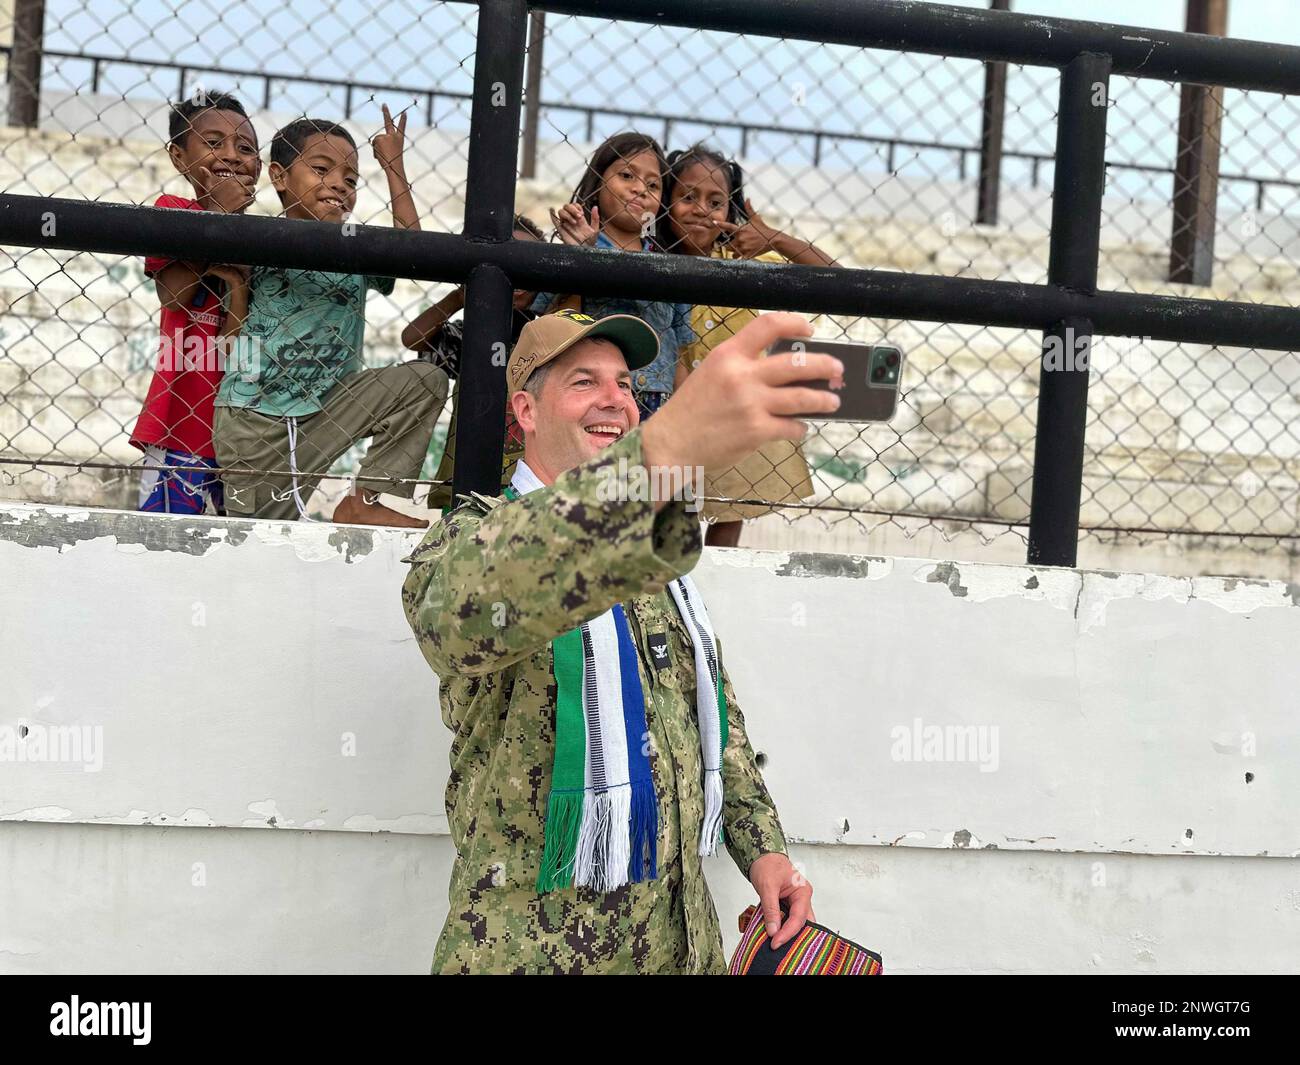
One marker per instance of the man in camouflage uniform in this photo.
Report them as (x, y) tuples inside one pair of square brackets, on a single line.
[(497, 580)]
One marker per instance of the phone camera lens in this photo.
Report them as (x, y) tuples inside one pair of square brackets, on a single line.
[(878, 374), (891, 359)]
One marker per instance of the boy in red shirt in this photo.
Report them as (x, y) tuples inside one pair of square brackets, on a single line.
[(214, 147)]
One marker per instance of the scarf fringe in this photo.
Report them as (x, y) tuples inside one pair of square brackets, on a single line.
[(563, 817), (618, 839), (604, 849), (614, 838), (645, 832), (711, 830)]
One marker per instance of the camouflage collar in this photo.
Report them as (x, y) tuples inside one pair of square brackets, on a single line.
[(480, 502)]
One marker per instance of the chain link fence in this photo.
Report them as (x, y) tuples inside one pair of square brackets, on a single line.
[(870, 158)]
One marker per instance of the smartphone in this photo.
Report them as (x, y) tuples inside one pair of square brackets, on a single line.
[(871, 377)]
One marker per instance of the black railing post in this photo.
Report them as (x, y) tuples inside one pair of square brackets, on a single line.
[(489, 218), (995, 106), (24, 74), (533, 95), (1196, 162), (1080, 179)]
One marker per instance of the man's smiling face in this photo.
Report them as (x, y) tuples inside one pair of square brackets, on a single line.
[(584, 404)]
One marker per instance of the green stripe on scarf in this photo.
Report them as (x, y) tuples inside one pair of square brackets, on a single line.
[(568, 775)]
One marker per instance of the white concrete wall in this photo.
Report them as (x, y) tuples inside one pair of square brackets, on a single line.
[(264, 791)]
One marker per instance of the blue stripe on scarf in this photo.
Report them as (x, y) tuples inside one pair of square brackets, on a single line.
[(645, 810)]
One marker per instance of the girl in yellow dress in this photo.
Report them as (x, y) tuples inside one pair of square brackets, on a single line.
[(708, 214)]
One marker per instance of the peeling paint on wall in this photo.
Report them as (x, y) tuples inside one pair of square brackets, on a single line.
[(64, 528), (1088, 593), (853, 567), (352, 542), (191, 818), (266, 815), (947, 573)]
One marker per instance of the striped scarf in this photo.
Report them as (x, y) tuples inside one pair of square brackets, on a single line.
[(602, 812)]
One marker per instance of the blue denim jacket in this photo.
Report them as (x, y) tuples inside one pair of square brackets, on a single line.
[(671, 321)]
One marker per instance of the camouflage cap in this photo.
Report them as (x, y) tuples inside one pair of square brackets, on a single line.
[(549, 336)]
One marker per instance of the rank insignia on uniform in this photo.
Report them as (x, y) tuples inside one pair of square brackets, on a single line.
[(658, 644)]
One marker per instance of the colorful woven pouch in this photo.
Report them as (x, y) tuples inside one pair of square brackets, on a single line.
[(815, 951)]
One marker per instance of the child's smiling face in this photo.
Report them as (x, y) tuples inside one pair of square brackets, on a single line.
[(218, 157), (321, 183), (700, 200), (630, 192)]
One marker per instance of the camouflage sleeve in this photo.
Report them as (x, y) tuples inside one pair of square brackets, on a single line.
[(750, 822), (486, 590)]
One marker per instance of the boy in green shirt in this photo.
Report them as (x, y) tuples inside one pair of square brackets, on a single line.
[(300, 396)]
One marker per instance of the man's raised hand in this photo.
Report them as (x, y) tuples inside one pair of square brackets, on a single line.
[(738, 399)]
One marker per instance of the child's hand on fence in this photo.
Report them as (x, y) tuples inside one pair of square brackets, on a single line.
[(236, 298), (754, 237), (573, 226), (230, 195), (233, 275), (390, 144)]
